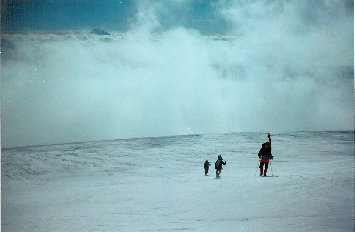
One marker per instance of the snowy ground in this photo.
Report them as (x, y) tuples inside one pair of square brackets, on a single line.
[(158, 184)]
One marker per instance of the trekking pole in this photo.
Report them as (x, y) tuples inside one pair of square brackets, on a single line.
[(272, 173)]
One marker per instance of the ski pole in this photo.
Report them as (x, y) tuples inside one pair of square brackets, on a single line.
[(272, 172), (256, 170)]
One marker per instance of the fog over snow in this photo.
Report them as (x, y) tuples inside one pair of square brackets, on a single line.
[(274, 66)]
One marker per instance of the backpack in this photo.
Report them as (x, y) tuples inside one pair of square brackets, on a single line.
[(218, 164)]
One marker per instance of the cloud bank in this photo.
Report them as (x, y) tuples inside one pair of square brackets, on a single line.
[(280, 66)]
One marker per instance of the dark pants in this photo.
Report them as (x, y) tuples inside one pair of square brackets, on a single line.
[(261, 166), (206, 171)]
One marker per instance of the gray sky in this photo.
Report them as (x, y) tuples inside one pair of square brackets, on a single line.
[(281, 66)]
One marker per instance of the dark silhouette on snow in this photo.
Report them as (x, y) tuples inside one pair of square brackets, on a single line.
[(206, 166), (265, 156), (219, 165)]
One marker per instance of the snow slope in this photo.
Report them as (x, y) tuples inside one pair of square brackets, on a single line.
[(158, 184)]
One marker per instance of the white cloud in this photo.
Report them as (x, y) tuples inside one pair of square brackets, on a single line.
[(276, 72)]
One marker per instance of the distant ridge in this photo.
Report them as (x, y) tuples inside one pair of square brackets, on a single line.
[(99, 32), (86, 33), (179, 135)]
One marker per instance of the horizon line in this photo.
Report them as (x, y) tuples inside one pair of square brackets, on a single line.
[(165, 136)]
